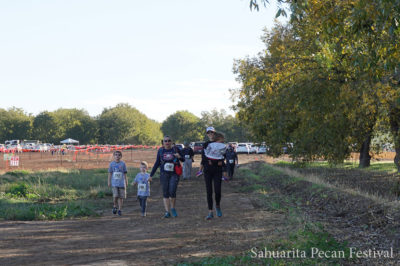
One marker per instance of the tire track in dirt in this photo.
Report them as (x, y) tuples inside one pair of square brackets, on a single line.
[(133, 240)]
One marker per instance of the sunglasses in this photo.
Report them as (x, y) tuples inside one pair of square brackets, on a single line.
[(167, 140)]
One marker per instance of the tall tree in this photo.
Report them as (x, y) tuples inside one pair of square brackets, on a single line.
[(124, 124), (233, 129), (45, 127), (15, 124), (76, 124), (183, 126), (355, 43)]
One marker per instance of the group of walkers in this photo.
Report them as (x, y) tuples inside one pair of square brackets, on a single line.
[(170, 160)]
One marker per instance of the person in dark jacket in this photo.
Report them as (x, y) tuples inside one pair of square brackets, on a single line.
[(188, 153), (231, 160), (167, 157)]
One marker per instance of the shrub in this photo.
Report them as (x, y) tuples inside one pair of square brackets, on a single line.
[(18, 190)]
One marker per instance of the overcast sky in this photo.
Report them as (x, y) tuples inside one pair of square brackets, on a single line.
[(159, 56)]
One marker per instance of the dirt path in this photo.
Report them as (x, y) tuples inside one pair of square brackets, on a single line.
[(131, 239)]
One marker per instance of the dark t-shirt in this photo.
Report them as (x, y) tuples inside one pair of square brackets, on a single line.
[(166, 156), (188, 152), (231, 155)]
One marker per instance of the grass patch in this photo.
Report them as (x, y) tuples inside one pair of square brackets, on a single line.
[(27, 211), (300, 235), (310, 245), (388, 167), (54, 195)]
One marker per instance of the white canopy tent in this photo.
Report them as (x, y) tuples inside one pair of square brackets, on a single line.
[(69, 141)]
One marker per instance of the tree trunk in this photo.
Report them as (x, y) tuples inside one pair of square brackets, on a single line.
[(365, 158), (395, 126), (397, 159)]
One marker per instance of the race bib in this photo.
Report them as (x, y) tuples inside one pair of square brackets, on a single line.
[(142, 187), (187, 156), (169, 167), (231, 161), (117, 175)]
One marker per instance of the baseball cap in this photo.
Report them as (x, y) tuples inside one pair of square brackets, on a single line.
[(210, 129)]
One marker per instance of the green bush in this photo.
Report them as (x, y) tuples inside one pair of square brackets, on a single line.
[(18, 190)]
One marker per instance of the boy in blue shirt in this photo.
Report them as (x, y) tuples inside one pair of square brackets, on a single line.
[(117, 180), (143, 180)]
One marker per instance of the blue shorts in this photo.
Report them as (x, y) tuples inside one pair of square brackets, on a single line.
[(169, 182)]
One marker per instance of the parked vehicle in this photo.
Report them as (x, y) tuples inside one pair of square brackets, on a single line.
[(262, 149), (253, 148), (243, 148), (11, 143), (29, 146), (287, 148), (198, 147)]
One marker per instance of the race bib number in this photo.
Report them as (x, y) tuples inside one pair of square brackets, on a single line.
[(187, 156), (231, 161), (117, 175), (169, 167), (142, 187)]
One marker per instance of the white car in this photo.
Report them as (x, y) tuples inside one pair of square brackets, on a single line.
[(253, 148), (262, 149), (243, 148), (29, 146)]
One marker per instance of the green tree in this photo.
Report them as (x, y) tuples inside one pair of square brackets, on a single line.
[(75, 124), (124, 124), (362, 36), (233, 129), (15, 124), (290, 95), (182, 126), (44, 127), (356, 42)]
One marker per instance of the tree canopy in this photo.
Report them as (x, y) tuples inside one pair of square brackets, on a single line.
[(325, 80), (182, 126), (124, 124)]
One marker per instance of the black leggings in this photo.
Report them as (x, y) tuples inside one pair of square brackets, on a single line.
[(231, 169), (210, 175)]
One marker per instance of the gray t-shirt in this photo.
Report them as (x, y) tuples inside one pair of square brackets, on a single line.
[(117, 171), (142, 180)]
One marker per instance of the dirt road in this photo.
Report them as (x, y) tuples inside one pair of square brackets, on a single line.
[(133, 240)]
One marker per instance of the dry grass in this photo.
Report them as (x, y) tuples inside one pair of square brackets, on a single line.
[(353, 191)]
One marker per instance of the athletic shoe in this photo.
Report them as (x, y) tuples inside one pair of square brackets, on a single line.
[(199, 173), (119, 212), (173, 212), (210, 216), (114, 210), (167, 215), (143, 214), (219, 212)]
